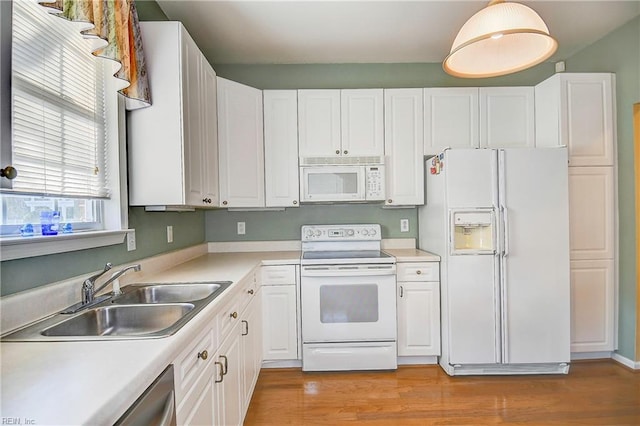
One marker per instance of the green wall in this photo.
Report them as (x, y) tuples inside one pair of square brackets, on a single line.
[(619, 52), (285, 225)]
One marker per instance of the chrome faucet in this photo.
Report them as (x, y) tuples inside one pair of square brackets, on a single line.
[(88, 291), (89, 284)]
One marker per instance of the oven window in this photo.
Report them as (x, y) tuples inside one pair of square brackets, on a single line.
[(348, 303), (333, 183)]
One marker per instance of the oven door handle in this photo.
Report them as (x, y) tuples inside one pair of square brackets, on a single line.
[(348, 271)]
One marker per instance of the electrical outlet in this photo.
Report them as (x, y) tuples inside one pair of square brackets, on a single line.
[(404, 225), (241, 228), (131, 240), (169, 234)]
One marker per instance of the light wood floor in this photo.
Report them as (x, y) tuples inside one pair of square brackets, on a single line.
[(593, 393)]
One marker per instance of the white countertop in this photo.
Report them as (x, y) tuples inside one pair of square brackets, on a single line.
[(94, 382), (69, 383)]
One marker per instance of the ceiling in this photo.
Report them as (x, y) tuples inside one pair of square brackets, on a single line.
[(305, 32)]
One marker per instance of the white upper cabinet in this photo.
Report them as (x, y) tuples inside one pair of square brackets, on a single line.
[(507, 117), (362, 122), (340, 123), (577, 110), (450, 119), (403, 144), (240, 144), (282, 186), (173, 143), (319, 123)]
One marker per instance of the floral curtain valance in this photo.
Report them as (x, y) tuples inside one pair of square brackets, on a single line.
[(115, 22)]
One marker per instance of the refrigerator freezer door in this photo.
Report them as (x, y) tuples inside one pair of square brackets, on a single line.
[(535, 268), (472, 310), (471, 178)]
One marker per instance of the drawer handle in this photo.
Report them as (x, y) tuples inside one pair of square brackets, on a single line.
[(401, 291), (221, 375), (250, 291), (225, 370), (233, 315), (204, 355), (418, 272), (247, 323)]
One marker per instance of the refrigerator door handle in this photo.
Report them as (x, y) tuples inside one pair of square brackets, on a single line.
[(504, 215)]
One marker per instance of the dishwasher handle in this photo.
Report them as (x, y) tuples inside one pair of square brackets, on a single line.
[(168, 415)]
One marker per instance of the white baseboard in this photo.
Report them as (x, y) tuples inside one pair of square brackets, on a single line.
[(417, 360), (577, 356), (634, 365), (293, 363)]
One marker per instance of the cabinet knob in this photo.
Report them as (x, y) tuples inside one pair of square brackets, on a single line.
[(295, 202), (206, 200), (346, 152), (389, 201), (250, 291), (224, 203), (337, 151), (204, 355), (233, 315), (418, 272)]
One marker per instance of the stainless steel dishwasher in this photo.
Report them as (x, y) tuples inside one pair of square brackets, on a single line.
[(156, 406)]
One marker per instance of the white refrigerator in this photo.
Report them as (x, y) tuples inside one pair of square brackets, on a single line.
[(499, 219)]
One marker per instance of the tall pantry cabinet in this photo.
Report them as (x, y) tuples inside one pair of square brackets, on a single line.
[(578, 110), (172, 144)]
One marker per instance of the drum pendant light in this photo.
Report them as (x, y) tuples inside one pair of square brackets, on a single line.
[(500, 39)]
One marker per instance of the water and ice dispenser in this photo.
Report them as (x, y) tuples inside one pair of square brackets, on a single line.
[(472, 232)]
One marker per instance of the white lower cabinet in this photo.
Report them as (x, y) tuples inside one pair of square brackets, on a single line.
[(251, 347), (280, 319), (592, 305), (228, 393), (214, 383), (418, 309)]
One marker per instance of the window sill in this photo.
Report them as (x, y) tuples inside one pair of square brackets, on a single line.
[(22, 247)]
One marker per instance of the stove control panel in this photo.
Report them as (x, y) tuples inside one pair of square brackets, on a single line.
[(367, 232)]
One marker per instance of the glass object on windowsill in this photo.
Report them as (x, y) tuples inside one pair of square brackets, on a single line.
[(49, 222), (67, 228), (27, 230)]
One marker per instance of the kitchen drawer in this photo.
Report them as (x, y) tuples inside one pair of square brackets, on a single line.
[(193, 361), (418, 271), (278, 275), (229, 315)]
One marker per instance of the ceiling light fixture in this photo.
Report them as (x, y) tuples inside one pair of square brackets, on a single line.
[(500, 39)]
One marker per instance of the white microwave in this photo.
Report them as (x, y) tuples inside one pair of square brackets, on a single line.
[(342, 183)]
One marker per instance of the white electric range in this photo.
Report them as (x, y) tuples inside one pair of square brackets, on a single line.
[(348, 292)]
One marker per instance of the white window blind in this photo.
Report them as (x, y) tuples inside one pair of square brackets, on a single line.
[(58, 108)]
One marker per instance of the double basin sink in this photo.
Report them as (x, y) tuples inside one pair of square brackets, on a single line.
[(142, 311)]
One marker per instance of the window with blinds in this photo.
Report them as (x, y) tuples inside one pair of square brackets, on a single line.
[(60, 121), (57, 106)]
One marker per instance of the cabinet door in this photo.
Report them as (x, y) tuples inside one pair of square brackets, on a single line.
[(591, 212), (240, 142), (450, 119), (592, 305), (251, 341), (229, 393), (202, 412), (507, 117), (587, 118), (319, 123), (282, 186), (193, 117), (403, 145), (418, 318), (362, 122), (209, 156), (280, 336)]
